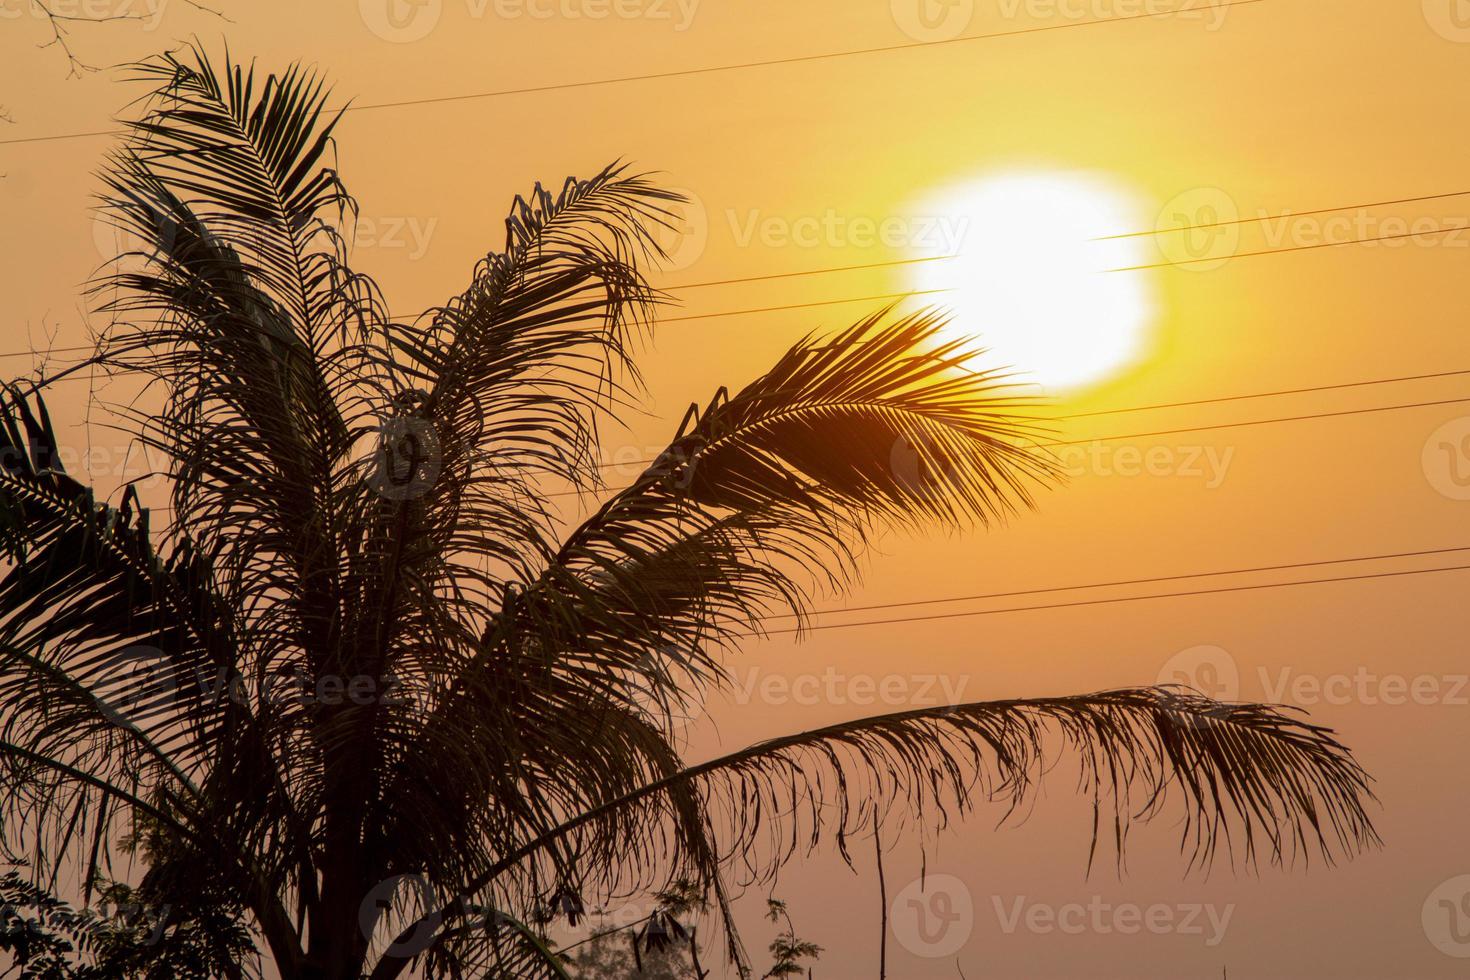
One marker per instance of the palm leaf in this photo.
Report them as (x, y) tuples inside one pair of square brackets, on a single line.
[(1248, 777)]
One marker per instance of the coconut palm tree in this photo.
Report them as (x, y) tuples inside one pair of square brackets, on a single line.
[(366, 688)]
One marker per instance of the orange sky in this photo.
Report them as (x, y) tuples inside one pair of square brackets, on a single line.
[(1279, 105)]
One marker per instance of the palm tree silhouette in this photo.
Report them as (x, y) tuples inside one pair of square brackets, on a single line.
[(362, 693)]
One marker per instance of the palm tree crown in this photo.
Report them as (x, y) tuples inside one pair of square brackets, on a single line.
[(368, 695)]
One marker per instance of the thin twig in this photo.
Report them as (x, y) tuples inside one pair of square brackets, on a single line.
[(882, 900)]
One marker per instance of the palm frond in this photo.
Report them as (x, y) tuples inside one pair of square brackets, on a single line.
[(116, 672), (884, 419), (1253, 779), (239, 302), (512, 375), (497, 946)]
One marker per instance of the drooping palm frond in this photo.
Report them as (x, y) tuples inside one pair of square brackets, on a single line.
[(498, 946), (107, 632), (1250, 778), (114, 667)]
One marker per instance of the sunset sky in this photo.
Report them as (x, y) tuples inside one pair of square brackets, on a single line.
[(1101, 123)]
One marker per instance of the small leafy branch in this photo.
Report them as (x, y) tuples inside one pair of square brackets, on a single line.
[(788, 949), (664, 945)]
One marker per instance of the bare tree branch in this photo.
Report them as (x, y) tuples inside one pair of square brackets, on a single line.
[(61, 22)]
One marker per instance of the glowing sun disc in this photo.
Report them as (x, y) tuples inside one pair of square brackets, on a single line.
[(1030, 282)]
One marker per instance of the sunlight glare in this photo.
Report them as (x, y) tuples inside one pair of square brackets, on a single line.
[(1030, 282)]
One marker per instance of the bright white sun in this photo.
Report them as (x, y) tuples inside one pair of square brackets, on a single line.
[(1031, 279)]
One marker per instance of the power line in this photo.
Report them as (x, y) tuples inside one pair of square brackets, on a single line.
[(931, 292), (1136, 435), (1148, 435), (1103, 602), (1134, 581), (1132, 268), (688, 72), (1292, 248), (1287, 215), (1241, 425), (1267, 394), (1223, 399), (806, 306), (815, 272), (1290, 215), (1199, 401)]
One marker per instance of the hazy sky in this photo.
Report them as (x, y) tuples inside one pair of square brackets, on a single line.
[(1262, 109)]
